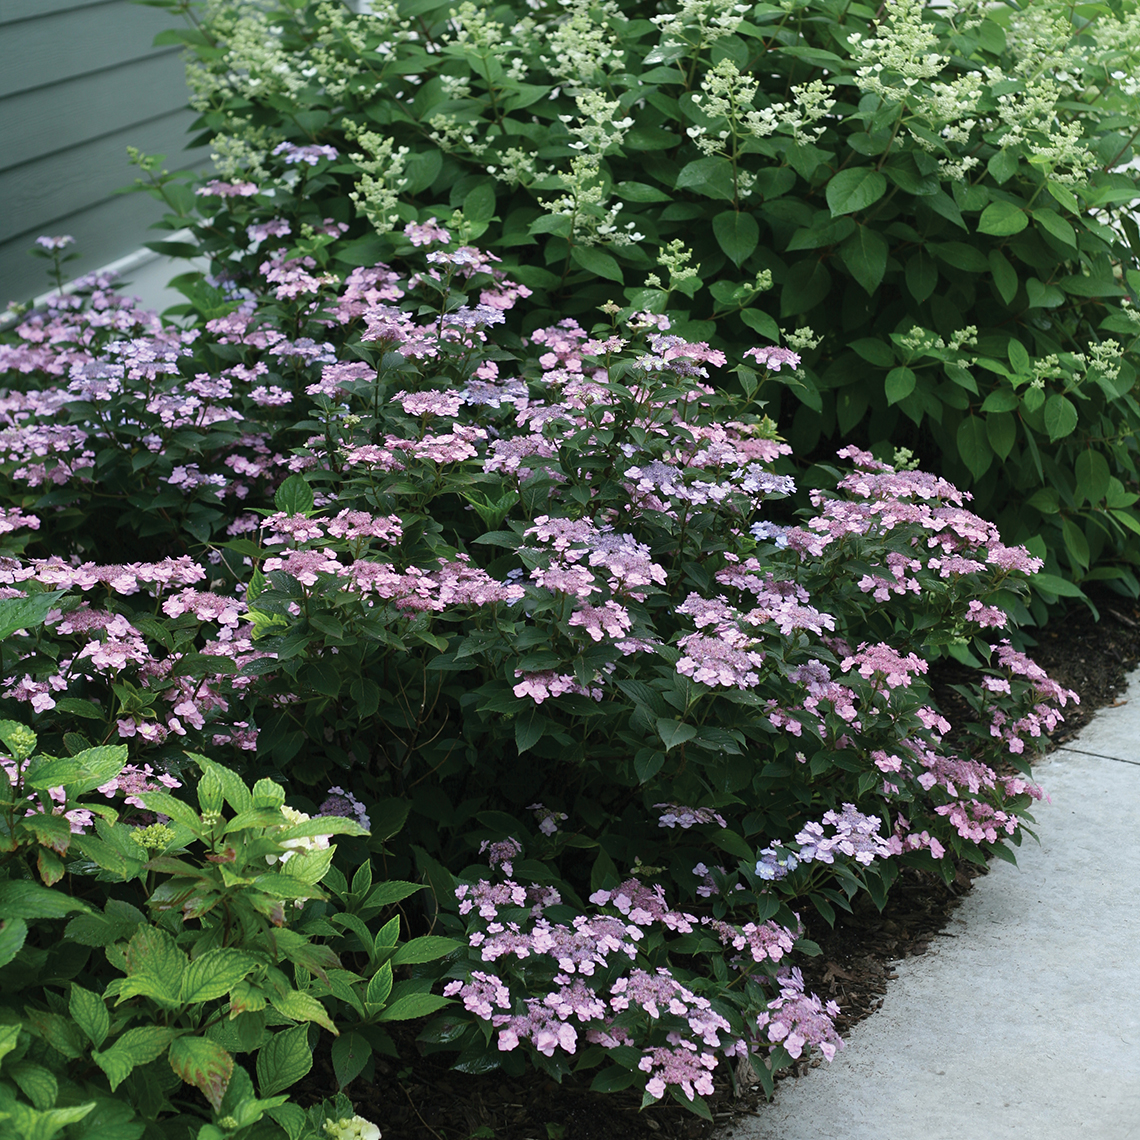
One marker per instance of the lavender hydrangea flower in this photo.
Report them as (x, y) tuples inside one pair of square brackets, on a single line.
[(61, 242), (775, 864), (342, 803)]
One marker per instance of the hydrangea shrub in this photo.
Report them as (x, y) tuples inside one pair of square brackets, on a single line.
[(929, 204), (539, 607)]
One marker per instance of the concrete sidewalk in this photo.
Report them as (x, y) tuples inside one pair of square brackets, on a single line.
[(1025, 1025)]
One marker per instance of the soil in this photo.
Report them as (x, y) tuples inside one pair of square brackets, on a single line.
[(419, 1098)]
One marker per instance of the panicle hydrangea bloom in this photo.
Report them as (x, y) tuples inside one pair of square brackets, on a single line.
[(351, 1128)]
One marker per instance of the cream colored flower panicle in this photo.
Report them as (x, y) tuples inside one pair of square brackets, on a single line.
[(377, 189), (352, 1128), (515, 166), (600, 126), (304, 843), (675, 258), (583, 48), (257, 63), (702, 22), (587, 205), (471, 24), (726, 99), (241, 154), (339, 73), (902, 47)]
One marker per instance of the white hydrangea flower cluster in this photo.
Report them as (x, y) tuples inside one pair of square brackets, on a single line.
[(899, 62), (675, 258), (352, 1128), (1106, 358), (256, 63), (710, 20), (585, 201), (1041, 36), (902, 47), (305, 843), (340, 73), (803, 338), (472, 25), (450, 135), (583, 48), (599, 127), (727, 96), (515, 166), (951, 108), (241, 154), (380, 181)]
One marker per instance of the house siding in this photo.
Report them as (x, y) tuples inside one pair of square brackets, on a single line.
[(79, 83)]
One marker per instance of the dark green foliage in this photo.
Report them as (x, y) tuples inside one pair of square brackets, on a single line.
[(967, 176)]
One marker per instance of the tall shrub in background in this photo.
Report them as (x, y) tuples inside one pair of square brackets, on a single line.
[(933, 199)]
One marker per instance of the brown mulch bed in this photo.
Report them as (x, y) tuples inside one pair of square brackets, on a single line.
[(419, 1098)]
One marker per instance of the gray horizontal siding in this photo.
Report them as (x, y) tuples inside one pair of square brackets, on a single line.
[(61, 45), (13, 10), (56, 186), (79, 83), (103, 233), (54, 119)]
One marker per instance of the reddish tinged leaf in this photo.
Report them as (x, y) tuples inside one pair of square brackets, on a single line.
[(50, 865), (204, 1064)]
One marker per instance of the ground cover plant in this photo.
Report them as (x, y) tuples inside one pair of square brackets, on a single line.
[(929, 205), (534, 611)]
